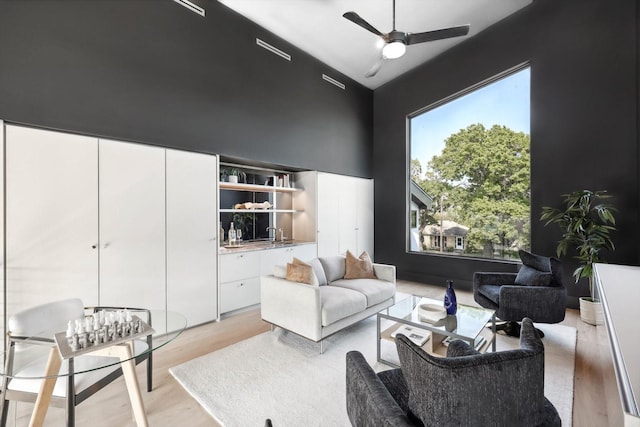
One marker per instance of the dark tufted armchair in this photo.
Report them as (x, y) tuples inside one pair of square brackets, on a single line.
[(466, 388), (536, 291)]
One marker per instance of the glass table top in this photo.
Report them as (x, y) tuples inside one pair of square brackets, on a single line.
[(467, 323), (31, 353)]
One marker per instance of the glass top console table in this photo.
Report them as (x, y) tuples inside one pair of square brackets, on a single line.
[(468, 324), (35, 364)]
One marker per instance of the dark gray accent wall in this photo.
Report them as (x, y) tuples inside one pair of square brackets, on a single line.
[(584, 124), (156, 73)]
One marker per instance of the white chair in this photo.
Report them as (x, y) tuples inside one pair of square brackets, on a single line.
[(36, 326)]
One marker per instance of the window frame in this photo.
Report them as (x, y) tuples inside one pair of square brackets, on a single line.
[(479, 85)]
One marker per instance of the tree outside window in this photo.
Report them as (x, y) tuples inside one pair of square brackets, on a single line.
[(471, 156)]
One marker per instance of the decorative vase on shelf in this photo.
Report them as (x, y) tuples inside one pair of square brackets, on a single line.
[(233, 179), (450, 302)]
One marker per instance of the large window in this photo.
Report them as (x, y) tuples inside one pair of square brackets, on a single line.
[(469, 171)]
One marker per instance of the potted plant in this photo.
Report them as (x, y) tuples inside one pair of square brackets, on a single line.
[(232, 174), (586, 223)]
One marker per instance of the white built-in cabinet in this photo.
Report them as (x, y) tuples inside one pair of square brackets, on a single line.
[(239, 280), (117, 223), (344, 214), (132, 225), (110, 222), (192, 246), (51, 217)]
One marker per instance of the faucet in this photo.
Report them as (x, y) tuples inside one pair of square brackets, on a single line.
[(274, 233)]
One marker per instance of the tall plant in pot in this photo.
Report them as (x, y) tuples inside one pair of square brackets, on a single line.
[(586, 221)]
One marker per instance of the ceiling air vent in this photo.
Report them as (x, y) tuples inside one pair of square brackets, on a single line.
[(192, 7), (333, 81), (273, 49)]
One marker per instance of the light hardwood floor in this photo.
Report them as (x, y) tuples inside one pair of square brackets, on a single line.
[(595, 394)]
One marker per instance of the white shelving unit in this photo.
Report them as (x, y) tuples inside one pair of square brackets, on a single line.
[(257, 188), (283, 209)]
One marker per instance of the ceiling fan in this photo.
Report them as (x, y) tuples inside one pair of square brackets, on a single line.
[(396, 42)]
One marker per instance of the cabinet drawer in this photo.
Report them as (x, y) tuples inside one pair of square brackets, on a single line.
[(239, 294), (239, 266)]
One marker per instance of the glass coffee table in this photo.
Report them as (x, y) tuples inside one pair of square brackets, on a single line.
[(468, 324)]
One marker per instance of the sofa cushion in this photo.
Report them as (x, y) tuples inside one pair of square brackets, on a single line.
[(358, 267), (338, 303), (375, 290), (529, 276), (301, 272), (535, 261), (544, 264), (279, 271), (318, 270), (556, 271), (334, 267)]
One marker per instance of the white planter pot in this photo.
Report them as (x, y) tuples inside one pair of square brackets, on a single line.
[(591, 312), (233, 179)]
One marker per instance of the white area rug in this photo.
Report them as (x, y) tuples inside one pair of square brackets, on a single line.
[(282, 376)]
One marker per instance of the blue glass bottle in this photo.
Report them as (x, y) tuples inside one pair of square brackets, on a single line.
[(450, 302)]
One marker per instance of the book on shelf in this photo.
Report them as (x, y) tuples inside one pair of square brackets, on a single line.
[(417, 335)]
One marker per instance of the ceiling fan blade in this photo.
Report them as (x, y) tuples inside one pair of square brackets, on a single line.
[(356, 19), (376, 67), (445, 33)]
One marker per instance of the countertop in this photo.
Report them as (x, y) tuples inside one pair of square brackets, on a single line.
[(260, 245), (617, 286)]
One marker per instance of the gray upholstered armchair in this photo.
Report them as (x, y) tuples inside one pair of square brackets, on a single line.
[(536, 291), (466, 388)]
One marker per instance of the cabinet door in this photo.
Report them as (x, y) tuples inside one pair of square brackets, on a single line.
[(51, 217), (132, 225), (364, 221), (191, 235), (348, 209), (328, 206)]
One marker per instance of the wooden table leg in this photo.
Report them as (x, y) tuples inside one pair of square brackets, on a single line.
[(46, 388), (124, 352)]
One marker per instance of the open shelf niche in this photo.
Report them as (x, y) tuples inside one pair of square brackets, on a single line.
[(256, 186)]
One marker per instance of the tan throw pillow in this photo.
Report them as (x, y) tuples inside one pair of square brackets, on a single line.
[(359, 268), (299, 271)]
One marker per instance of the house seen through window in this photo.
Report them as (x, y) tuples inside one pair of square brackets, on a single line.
[(469, 172)]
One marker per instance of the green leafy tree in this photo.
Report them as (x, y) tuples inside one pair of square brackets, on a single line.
[(416, 171), (485, 174)]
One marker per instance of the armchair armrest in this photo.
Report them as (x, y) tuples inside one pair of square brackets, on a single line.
[(291, 305), (385, 272), (545, 304), (368, 400)]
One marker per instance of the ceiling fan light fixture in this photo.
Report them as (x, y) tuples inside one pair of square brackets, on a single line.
[(394, 50)]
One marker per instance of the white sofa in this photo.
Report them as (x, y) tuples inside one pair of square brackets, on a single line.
[(315, 312)]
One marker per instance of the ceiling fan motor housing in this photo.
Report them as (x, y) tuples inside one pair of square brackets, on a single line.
[(396, 36)]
